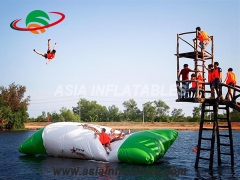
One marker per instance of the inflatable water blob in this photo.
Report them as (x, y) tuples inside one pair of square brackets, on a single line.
[(77, 140)]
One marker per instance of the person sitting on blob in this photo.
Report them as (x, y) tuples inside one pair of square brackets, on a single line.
[(104, 139), (115, 137)]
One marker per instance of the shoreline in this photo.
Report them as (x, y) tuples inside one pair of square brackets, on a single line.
[(190, 126)]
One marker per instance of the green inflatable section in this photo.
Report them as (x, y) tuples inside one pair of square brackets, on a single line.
[(34, 144), (146, 147)]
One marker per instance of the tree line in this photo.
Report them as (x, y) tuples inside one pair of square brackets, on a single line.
[(13, 111)]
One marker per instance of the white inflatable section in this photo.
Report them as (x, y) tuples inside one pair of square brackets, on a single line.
[(72, 140), (112, 157)]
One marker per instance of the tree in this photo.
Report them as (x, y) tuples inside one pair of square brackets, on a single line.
[(113, 113), (55, 117), (196, 113), (92, 111), (149, 112), (177, 114), (162, 110), (68, 116), (235, 116), (132, 113), (13, 107)]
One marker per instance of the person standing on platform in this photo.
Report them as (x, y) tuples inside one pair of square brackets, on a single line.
[(217, 78), (185, 77), (210, 74), (231, 80)]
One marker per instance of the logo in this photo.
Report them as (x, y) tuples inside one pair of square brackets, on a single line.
[(37, 21)]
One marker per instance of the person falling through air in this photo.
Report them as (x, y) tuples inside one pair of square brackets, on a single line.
[(50, 54)]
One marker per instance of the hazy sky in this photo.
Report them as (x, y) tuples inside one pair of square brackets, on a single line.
[(111, 51)]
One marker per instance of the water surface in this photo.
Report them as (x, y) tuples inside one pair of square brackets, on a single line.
[(178, 163)]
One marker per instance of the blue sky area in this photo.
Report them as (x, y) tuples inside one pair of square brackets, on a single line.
[(111, 51)]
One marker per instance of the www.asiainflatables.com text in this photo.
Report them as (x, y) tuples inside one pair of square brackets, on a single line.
[(128, 171)]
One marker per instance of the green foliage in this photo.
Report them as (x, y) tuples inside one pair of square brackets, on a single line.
[(67, 115), (150, 112), (235, 116), (162, 111), (131, 111), (197, 111), (13, 107), (55, 117), (91, 111), (113, 113), (177, 115)]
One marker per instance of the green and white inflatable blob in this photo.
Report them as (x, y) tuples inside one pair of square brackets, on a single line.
[(72, 140)]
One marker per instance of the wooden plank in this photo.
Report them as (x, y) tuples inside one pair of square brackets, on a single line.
[(187, 32)]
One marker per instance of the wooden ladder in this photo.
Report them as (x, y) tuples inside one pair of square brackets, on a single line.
[(222, 147), (206, 144)]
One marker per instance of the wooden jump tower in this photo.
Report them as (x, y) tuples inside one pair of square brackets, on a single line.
[(210, 128)]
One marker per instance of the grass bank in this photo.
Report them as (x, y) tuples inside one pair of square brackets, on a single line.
[(139, 125)]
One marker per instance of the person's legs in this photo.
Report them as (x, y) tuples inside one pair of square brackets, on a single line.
[(109, 147), (119, 135), (229, 93), (218, 89), (193, 91), (104, 146), (183, 89), (206, 42), (201, 45), (39, 53), (54, 47), (186, 89), (215, 84), (49, 44), (212, 91)]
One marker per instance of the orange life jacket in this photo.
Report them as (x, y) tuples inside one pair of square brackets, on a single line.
[(210, 76), (103, 138), (194, 84), (202, 36), (50, 55), (200, 80), (231, 78), (216, 73)]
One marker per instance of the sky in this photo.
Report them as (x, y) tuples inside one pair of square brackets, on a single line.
[(111, 51)]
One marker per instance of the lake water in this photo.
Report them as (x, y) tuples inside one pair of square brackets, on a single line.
[(178, 163)]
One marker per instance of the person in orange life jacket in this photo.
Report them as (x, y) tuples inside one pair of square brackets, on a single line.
[(231, 80), (104, 139), (200, 83), (217, 78), (115, 137), (210, 74), (200, 80), (194, 85), (185, 77), (195, 149), (203, 38), (50, 54)]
